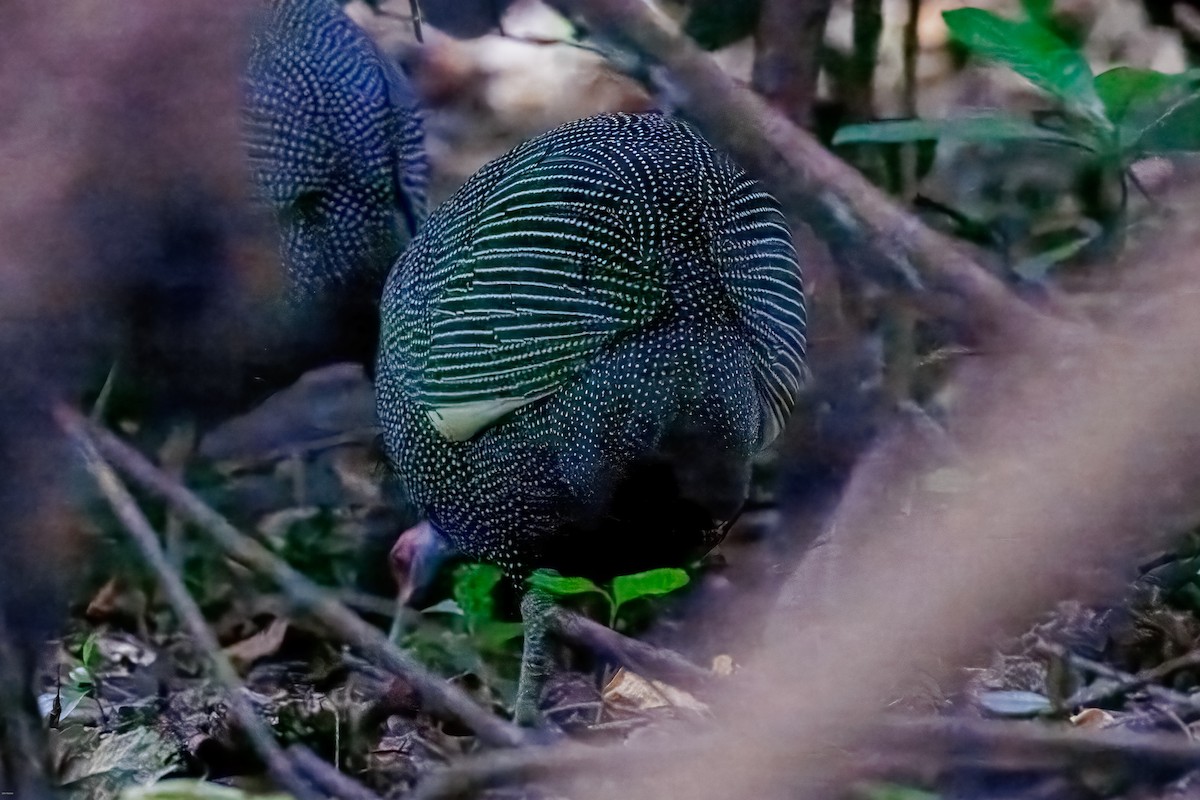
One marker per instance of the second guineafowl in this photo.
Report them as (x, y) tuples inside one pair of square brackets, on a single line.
[(336, 148), (582, 352)]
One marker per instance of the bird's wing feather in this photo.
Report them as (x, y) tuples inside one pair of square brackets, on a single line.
[(552, 271)]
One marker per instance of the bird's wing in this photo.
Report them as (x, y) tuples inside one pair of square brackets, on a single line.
[(552, 271)]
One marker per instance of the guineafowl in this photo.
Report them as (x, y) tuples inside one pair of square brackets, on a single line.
[(582, 352), (336, 149)]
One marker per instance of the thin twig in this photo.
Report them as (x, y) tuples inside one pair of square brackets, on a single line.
[(640, 657), (437, 696), (1124, 682), (415, 9), (146, 539), (332, 782)]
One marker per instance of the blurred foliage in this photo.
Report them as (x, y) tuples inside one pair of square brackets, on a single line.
[(714, 24), (1114, 119)]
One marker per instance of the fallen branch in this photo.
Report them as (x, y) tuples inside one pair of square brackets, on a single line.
[(332, 782), (1146, 678), (948, 742), (861, 225), (278, 765), (640, 657), (436, 695), (1124, 682)]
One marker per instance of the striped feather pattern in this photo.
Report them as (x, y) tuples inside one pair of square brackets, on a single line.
[(567, 242), (583, 305)]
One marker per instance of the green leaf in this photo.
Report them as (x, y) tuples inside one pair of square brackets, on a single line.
[(446, 606), (892, 791), (1124, 87), (644, 584), (1035, 268), (495, 634), (552, 582), (1032, 52), (714, 24), (1175, 129), (89, 653), (191, 789), (473, 586), (69, 699), (980, 128), (1040, 11)]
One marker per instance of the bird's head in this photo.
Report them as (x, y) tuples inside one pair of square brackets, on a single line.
[(417, 558)]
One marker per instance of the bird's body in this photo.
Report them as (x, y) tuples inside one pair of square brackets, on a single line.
[(586, 346), (336, 149)]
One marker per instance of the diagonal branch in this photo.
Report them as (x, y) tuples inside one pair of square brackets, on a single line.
[(139, 529), (860, 223), (437, 695)]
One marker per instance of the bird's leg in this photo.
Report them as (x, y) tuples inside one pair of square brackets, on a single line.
[(536, 661)]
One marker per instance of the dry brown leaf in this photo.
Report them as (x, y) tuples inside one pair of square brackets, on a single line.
[(1093, 718), (264, 643), (631, 691), (723, 665)]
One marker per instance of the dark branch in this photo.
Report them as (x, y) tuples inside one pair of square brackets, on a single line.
[(144, 536), (862, 226), (644, 659), (436, 695)]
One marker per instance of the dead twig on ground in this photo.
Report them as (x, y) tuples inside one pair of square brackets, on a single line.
[(332, 782), (1122, 682), (637, 656), (278, 765), (436, 695)]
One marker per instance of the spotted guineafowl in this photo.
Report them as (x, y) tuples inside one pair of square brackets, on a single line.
[(336, 149), (582, 352)]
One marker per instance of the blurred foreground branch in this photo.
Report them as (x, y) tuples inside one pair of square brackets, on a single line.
[(1071, 458)]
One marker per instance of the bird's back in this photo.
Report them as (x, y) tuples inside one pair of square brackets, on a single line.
[(591, 339)]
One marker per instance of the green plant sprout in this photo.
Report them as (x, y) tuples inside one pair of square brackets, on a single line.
[(622, 590), (1118, 117)]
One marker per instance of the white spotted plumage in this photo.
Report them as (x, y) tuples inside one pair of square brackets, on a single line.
[(336, 147), (574, 306)]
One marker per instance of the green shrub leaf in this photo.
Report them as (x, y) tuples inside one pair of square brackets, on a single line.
[(1175, 129), (644, 584), (1123, 88), (552, 582), (473, 585), (972, 129), (1032, 52)]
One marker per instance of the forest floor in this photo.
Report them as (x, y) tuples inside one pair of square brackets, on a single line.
[(136, 706)]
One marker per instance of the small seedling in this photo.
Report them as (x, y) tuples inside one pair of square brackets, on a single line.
[(621, 591), (81, 681)]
